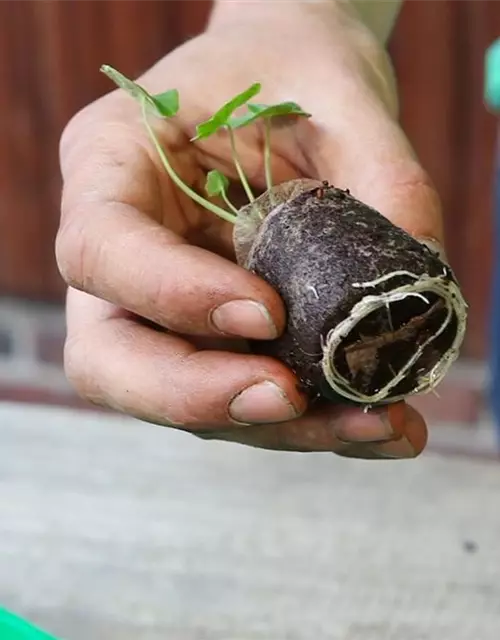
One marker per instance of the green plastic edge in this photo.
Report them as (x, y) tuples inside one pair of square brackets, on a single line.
[(13, 627), (492, 76)]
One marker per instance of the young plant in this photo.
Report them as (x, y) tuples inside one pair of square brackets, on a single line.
[(220, 120), (224, 119), (372, 315), (266, 113), (163, 105)]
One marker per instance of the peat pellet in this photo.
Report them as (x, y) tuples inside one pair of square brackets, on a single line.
[(372, 314)]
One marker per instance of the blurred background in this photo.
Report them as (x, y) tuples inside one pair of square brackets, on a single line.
[(50, 53)]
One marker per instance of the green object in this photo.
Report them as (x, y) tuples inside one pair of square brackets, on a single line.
[(221, 117), (14, 628), (164, 105), (217, 185), (492, 76), (256, 111)]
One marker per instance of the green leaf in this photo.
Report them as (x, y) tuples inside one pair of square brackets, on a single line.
[(167, 103), (221, 117), (216, 183), (280, 109), (131, 87), (164, 104), (256, 111)]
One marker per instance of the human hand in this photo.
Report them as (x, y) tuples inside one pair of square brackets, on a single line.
[(149, 272)]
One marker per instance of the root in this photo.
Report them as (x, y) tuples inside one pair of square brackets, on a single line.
[(314, 290), (389, 316), (363, 356), (356, 354), (384, 278)]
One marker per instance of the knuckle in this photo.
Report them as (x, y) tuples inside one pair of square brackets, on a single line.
[(74, 126), (78, 367), (416, 184), (70, 249), (176, 412), (106, 107)]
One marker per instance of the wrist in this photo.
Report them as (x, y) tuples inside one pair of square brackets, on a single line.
[(379, 16), (332, 30), (227, 13)]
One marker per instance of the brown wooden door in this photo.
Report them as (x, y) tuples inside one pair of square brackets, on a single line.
[(50, 53), (438, 51)]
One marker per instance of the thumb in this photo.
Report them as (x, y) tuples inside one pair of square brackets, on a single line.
[(361, 147)]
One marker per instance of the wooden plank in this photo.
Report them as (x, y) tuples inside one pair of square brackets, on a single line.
[(50, 53), (438, 50)]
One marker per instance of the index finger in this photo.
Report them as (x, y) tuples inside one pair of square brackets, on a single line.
[(113, 245)]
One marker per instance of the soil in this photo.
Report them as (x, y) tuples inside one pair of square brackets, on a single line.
[(316, 245)]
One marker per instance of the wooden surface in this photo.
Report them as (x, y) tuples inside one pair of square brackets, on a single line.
[(438, 50), (115, 530), (50, 53)]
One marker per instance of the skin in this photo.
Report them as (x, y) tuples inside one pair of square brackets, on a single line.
[(146, 268)]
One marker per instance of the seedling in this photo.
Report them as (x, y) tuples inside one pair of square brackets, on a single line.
[(373, 315), (265, 113), (221, 120), (166, 105), (224, 119)]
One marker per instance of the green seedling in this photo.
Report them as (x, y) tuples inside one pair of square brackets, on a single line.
[(163, 105), (166, 105), (224, 119), (266, 112), (221, 120)]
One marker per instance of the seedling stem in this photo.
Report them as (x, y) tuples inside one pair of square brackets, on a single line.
[(267, 152), (239, 169), (210, 206)]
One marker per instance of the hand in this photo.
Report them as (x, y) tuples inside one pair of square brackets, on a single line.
[(157, 312)]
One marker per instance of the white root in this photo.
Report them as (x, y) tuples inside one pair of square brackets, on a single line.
[(314, 290), (419, 295), (389, 316), (455, 305), (384, 278)]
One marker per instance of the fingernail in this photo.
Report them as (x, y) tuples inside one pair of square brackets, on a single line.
[(372, 426), (435, 247), (262, 403), (244, 318), (397, 450)]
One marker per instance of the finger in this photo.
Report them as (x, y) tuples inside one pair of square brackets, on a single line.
[(113, 360), (109, 247), (359, 145), (398, 432)]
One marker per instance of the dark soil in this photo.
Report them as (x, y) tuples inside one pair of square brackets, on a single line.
[(312, 250)]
